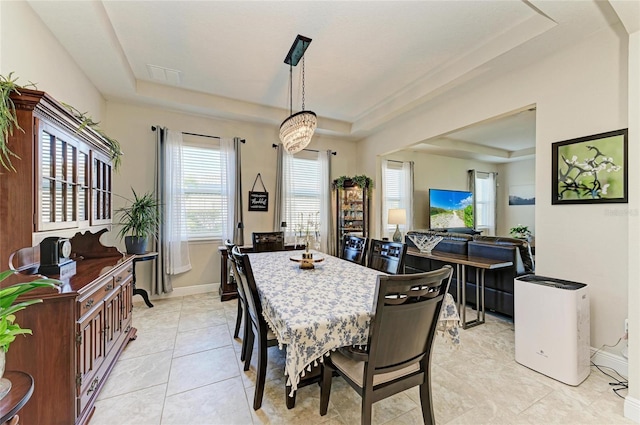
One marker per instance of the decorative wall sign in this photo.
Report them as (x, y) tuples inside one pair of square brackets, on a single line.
[(258, 201), (591, 169)]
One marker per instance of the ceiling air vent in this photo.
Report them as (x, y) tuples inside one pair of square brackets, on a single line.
[(164, 75)]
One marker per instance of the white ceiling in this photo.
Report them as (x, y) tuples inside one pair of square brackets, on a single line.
[(368, 62)]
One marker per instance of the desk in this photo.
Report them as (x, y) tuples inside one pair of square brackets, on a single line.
[(315, 311), (462, 261), (20, 393), (143, 293)]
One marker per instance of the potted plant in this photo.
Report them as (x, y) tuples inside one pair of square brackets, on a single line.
[(9, 329), (139, 221), (520, 231)]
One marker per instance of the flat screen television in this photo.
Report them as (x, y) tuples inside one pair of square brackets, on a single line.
[(450, 208)]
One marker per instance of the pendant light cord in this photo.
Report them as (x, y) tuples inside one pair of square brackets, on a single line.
[(291, 89), (303, 83)]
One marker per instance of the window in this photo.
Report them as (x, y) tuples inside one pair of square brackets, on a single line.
[(303, 193), (204, 170), (397, 192), (485, 194)]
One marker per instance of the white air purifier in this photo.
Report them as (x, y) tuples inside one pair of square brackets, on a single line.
[(552, 327)]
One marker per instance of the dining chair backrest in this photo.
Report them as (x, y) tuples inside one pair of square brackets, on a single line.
[(247, 280), (386, 256), (354, 249), (401, 302), (268, 241)]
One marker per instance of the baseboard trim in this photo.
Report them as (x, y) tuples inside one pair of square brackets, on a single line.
[(632, 409), (614, 361), (189, 290)]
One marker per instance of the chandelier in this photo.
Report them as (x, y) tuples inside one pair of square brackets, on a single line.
[(296, 131)]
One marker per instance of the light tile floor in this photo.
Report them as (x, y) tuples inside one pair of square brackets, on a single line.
[(184, 368)]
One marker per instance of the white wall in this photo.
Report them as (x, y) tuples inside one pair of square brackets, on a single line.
[(579, 91), (520, 173), (33, 54), (131, 125)]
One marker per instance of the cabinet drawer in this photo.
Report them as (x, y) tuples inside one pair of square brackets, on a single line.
[(124, 274), (95, 297)]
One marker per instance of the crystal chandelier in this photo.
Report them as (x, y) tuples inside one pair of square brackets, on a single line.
[(296, 131)]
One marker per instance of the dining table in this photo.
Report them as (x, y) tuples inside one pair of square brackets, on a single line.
[(315, 311)]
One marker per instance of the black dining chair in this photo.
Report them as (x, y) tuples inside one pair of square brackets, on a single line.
[(268, 241), (354, 249), (398, 354), (386, 256), (242, 309), (258, 328)]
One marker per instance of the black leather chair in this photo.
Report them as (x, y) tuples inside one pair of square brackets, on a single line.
[(354, 249), (242, 309), (399, 352), (386, 256), (258, 328), (268, 241)]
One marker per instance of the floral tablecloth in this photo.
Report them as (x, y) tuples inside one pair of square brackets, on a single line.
[(319, 310)]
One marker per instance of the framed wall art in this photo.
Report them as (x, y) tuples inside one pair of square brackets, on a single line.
[(591, 169)]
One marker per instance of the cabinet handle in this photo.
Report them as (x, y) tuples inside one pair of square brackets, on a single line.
[(108, 287), (89, 303), (93, 386), (130, 270), (118, 279)]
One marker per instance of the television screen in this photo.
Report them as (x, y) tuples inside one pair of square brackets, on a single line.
[(450, 208)]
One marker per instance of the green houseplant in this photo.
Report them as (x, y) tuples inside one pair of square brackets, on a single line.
[(9, 329), (520, 231), (139, 221)]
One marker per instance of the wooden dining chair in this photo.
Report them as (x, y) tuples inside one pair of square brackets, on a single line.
[(242, 309), (258, 328), (268, 241), (354, 249), (401, 335), (386, 256)]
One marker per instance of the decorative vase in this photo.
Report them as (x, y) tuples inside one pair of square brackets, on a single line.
[(5, 384)]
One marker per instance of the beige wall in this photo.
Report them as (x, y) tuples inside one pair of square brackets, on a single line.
[(579, 91), (436, 172), (131, 125), (518, 173), (32, 53)]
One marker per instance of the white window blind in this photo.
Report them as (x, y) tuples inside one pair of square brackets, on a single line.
[(485, 195), (393, 190), (304, 191), (204, 182)]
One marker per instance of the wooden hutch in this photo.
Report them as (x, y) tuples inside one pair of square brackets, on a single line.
[(61, 187)]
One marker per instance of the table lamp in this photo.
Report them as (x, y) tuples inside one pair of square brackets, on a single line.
[(397, 216)]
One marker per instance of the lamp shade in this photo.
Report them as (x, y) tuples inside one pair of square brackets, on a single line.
[(397, 216), (297, 130)]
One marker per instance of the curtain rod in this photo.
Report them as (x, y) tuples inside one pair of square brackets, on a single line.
[(310, 150), (154, 128)]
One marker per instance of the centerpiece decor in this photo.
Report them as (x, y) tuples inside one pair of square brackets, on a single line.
[(425, 243), (9, 329), (308, 231), (520, 231)]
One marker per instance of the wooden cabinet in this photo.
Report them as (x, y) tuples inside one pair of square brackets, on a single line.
[(78, 335), (62, 181), (352, 212)]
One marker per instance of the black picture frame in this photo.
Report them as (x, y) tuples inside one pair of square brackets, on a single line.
[(591, 169)]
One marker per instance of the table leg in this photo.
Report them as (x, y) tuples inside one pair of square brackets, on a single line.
[(480, 316), (143, 293)]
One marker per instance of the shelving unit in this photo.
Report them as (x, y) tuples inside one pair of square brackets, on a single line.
[(352, 211)]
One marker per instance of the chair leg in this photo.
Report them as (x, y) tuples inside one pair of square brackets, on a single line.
[(367, 405), (325, 387), (261, 375), (248, 349), (238, 318), (245, 332), (427, 404)]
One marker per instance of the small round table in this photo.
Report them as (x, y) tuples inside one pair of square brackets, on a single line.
[(145, 296), (20, 393)]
